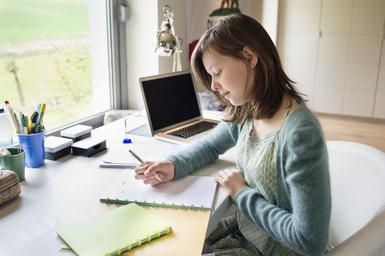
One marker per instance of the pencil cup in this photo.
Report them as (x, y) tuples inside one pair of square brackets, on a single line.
[(33, 145), (14, 162)]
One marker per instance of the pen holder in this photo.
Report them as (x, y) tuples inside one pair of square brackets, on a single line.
[(33, 145)]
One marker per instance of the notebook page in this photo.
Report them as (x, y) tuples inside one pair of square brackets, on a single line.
[(196, 191)]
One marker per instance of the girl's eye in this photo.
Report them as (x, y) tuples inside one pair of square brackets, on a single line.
[(217, 73)]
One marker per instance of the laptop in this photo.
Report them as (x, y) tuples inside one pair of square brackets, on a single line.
[(173, 109)]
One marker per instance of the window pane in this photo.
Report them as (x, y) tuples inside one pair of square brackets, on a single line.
[(55, 52)]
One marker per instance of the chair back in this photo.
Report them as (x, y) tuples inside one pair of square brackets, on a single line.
[(357, 174)]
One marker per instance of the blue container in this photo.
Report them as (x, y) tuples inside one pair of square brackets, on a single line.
[(33, 145)]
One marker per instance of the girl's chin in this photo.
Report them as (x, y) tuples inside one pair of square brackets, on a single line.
[(236, 103)]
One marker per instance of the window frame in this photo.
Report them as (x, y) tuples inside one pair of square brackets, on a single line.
[(116, 41)]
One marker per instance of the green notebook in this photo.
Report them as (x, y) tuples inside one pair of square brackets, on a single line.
[(119, 230)]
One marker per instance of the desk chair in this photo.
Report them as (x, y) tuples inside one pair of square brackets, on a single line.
[(357, 174)]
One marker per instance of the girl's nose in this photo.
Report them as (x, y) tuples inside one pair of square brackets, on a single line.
[(214, 85)]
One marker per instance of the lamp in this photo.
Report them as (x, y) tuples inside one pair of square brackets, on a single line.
[(168, 43)]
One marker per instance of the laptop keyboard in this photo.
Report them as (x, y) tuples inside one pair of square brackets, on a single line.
[(194, 129)]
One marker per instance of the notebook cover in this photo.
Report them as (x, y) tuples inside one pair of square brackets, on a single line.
[(119, 230), (187, 237)]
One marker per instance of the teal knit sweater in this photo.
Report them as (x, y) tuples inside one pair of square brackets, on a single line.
[(300, 220)]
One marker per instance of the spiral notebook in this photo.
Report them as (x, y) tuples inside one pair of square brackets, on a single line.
[(120, 230), (190, 192)]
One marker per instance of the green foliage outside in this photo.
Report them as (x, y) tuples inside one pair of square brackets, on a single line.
[(30, 20), (50, 63)]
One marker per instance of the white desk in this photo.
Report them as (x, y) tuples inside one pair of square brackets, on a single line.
[(67, 190)]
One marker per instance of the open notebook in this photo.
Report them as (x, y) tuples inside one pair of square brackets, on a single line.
[(119, 230), (190, 192)]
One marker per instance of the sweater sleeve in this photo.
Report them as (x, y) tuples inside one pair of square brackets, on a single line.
[(205, 150), (304, 228)]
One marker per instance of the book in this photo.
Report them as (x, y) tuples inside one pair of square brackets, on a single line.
[(190, 192), (120, 230)]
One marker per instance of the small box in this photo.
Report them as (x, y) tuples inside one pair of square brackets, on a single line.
[(88, 147), (77, 132), (9, 186), (56, 147)]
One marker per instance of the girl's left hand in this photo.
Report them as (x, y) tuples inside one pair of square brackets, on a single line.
[(232, 180)]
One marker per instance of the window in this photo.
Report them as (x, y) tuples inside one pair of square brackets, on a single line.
[(58, 53)]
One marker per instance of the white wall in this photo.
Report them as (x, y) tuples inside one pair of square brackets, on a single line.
[(190, 20), (180, 24), (141, 59), (332, 49), (143, 23), (269, 17), (199, 11)]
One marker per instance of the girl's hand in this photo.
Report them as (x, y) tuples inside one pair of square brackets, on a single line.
[(232, 180), (154, 173)]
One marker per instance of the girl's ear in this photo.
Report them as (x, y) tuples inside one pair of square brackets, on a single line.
[(251, 56)]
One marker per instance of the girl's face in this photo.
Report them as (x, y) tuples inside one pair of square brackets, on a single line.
[(229, 75)]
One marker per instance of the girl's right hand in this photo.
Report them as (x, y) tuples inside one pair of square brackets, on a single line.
[(154, 173)]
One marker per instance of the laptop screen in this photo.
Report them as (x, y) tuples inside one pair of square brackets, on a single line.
[(170, 100)]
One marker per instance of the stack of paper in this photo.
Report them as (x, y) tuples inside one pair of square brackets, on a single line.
[(119, 159)]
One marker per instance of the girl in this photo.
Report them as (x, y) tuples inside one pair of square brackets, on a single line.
[(280, 185)]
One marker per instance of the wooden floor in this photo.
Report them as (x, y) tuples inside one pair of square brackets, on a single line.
[(362, 130)]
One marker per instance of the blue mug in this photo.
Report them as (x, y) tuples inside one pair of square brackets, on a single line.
[(33, 145)]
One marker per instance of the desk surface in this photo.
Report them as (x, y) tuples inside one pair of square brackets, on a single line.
[(67, 191)]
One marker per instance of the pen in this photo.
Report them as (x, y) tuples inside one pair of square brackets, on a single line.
[(141, 161)]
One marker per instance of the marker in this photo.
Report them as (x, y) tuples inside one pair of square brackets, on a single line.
[(37, 124), (34, 117), (28, 125), (23, 120), (141, 161), (42, 111)]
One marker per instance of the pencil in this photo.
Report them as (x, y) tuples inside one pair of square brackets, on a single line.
[(136, 156), (141, 161)]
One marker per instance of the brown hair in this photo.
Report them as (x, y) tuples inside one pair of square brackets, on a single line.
[(229, 37)]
